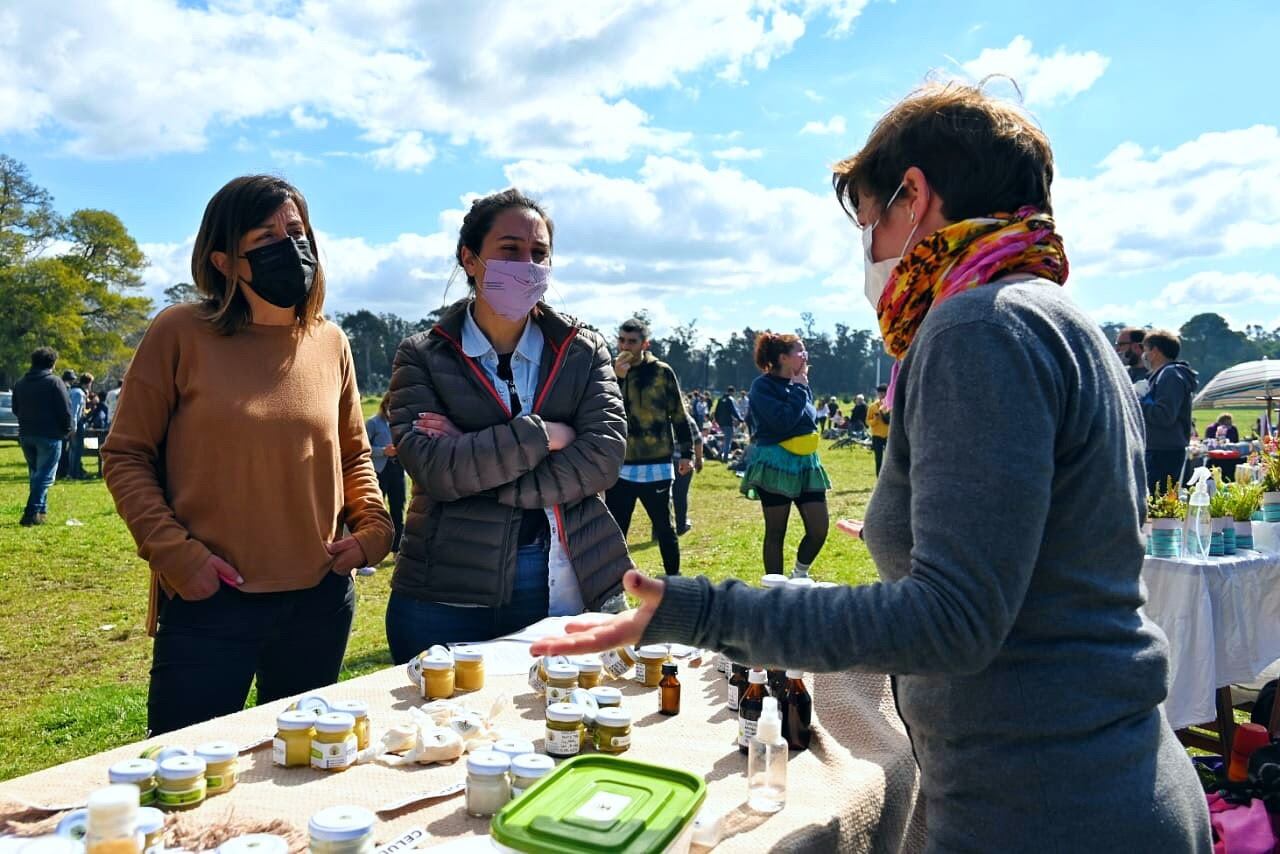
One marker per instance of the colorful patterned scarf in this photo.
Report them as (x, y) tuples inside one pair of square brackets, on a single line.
[(959, 257)]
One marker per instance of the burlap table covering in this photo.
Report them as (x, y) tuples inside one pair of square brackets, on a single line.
[(854, 790)]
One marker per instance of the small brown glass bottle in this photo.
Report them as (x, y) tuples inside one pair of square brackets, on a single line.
[(737, 686), (777, 684), (797, 712), (750, 707), (669, 691)]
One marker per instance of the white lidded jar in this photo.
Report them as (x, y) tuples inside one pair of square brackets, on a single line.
[(341, 830), (488, 787)]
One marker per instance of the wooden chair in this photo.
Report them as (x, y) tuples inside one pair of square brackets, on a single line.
[(1223, 728)]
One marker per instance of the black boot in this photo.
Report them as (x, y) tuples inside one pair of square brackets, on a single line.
[(28, 519)]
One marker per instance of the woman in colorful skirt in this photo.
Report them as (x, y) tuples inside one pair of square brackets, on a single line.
[(782, 463)]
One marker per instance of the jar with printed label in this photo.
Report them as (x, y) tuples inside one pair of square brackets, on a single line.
[(468, 667), (438, 678), (528, 769), (341, 830), (222, 765), (488, 786), (136, 772), (180, 783), (359, 710), (291, 747), (618, 662), (333, 747), (649, 665), (151, 826), (561, 680), (613, 731), (590, 672), (564, 730)]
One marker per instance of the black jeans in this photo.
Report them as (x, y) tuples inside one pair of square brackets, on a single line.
[(207, 653), (877, 448), (656, 499), (1162, 465), (391, 480), (680, 499)]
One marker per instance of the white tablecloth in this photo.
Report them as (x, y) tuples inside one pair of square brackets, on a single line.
[(1222, 617)]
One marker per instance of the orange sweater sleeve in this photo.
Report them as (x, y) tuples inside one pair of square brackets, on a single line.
[(363, 510), (133, 456)]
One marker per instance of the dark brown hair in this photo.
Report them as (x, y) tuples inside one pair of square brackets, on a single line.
[(1168, 343), (1132, 334), (44, 358), (384, 407), (479, 220), (982, 155), (238, 208), (636, 325), (771, 346)]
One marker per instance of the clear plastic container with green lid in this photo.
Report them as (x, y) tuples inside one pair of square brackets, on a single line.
[(604, 804)]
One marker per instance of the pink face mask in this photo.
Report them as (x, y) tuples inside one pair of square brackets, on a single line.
[(513, 288)]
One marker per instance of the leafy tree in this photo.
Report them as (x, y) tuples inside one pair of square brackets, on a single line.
[(83, 300), (181, 292)]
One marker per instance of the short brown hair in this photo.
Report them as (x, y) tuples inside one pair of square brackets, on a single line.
[(771, 346), (1168, 343), (982, 155), (239, 207)]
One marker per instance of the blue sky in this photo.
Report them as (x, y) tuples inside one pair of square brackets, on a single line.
[(683, 148)]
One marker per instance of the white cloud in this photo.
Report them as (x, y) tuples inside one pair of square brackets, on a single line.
[(304, 121), (737, 152), (288, 157), (1044, 80), (832, 127), (1146, 209), (677, 228), (814, 96), (388, 69), (1221, 289), (409, 153)]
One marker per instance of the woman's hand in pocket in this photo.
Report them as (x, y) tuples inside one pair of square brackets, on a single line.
[(206, 580)]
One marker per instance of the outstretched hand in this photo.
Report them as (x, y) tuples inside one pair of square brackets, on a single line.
[(601, 632)]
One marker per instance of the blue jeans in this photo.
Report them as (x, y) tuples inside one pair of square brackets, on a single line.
[(42, 463), (415, 624)]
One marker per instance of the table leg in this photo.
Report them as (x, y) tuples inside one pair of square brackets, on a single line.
[(1226, 720)]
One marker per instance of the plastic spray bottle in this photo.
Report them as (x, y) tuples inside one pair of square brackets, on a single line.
[(767, 762), (1199, 528)]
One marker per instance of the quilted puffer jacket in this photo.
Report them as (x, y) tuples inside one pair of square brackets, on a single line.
[(462, 529)]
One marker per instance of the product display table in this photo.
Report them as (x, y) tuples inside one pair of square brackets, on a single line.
[(1222, 618), (854, 790)]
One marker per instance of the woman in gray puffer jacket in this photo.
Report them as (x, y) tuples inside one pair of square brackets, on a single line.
[(508, 419)]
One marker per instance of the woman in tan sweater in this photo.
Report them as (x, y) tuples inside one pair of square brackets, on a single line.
[(237, 457)]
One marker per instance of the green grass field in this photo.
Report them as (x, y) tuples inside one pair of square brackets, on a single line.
[(74, 653)]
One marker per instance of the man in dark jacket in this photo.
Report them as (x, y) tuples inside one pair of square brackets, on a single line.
[(1129, 348), (43, 409), (655, 414), (1166, 408), (727, 415)]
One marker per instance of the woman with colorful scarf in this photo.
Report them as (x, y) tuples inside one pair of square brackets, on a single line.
[(1009, 612)]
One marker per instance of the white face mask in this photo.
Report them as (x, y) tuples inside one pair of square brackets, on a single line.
[(876, 273)]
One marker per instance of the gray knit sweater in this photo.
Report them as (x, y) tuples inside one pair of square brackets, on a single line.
[(1006, 529)]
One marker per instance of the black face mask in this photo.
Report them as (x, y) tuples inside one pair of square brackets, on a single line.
[(282, 271)]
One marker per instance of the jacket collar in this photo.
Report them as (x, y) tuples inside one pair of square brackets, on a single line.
[(555, 327), (476, 344)]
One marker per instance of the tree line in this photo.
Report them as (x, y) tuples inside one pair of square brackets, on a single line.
[(73, 282)]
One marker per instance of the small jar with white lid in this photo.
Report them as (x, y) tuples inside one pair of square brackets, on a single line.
[(136, 772), (613, 731), (590, 672), (291, 748), (341, 830), (468, 666), (606, 697), (513, 747), (333, 747), (562, 678), (222, 765), (488, 786), (564, 730), (527, 770), (359, 710), (181, 783)]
